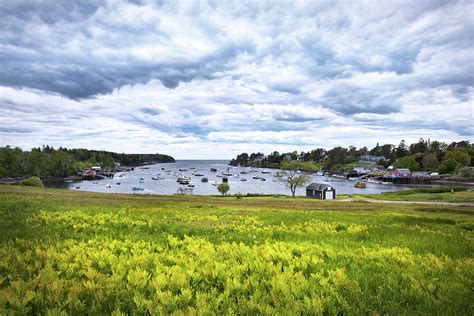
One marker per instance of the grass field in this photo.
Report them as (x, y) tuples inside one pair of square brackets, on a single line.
[(414, 196), (88, 253)]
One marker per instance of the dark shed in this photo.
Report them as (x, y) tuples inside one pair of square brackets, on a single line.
[(321, 191)]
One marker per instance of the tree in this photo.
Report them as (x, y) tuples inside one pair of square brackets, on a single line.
[(223, 188), (430, 161), (448, 166), (410, 162), (295, 174), (461, 157)]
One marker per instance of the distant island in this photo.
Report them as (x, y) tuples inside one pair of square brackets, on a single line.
[(50, 163)]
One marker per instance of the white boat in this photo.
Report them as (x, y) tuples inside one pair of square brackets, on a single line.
[(157, 178), (183, 179)]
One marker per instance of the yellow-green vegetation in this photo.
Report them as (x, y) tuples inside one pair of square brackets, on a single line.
[(90, 253)]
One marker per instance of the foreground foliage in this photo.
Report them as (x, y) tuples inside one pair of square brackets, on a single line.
[(78, 253)]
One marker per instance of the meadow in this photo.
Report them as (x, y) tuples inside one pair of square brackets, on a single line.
[(69, 252)]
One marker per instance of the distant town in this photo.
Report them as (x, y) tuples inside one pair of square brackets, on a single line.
[(417, 163)]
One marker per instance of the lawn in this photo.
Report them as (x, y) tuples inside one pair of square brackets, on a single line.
[(414, 196), (89, 253)]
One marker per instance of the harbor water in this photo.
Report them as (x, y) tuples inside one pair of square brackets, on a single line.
[(141, 180)]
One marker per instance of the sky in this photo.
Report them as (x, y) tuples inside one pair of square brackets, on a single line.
[(211, 79)]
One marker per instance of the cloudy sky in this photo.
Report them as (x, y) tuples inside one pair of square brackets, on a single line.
[(199, 79)]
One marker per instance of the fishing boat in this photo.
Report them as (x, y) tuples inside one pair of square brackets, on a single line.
[(243, 179), (256, 178), (157, 178), (266, 171), (183, 179), (138, 189), (204, 180)]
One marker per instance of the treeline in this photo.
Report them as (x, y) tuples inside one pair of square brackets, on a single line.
[(425, 155), (62, 162)]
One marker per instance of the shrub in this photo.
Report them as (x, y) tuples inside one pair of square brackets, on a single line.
[(33, 182)]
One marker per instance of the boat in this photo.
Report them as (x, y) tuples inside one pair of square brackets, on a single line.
[(374, 181), (77, 188), (387, 183), (204, 180), (256, 178), (138, 189), (95, 182), (108, 186), (213, 170), (266, 171), (219, 175), (183, 169), (157, 178), (243, 179), (198, 174), (118, 183), (190, 185), (360, 185), (192, 168), (244, 172), (263, 179), (214, 183), (183, 179), (68, 181)]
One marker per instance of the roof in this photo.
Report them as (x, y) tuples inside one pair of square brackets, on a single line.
[(318, 186), (403, 170)]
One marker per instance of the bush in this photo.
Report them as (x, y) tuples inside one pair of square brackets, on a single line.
[(238, 195), (466, 172), (32, 182), (431, 190)]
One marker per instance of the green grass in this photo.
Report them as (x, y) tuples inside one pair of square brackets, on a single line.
[(416, 196), (90, 253)]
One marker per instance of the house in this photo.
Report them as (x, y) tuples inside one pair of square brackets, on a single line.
[(371, 159), (300, 158), (321, 191), (361, 170), (288, 157), (259, 158), (401, 173)]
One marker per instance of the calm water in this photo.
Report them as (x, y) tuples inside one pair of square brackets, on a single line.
[(168, 185)]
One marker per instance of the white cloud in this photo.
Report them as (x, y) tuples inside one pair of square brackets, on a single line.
[(189, 78)]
